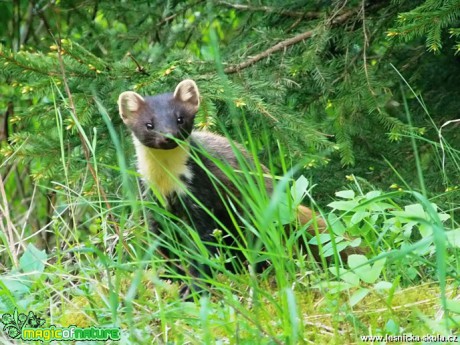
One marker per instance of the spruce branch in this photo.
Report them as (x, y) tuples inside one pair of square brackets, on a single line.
[(171, 17), (277, 47), (286, 43), (264, 111), (267, 9), (9, 58), (166, 19), (139, 68)]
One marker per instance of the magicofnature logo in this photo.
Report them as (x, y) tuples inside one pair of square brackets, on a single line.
[(28, 327), (14, 323)]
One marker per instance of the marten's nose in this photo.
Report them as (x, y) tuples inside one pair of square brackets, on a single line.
[(164, 140)]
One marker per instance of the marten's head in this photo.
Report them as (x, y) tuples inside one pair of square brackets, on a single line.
[(157, 120)]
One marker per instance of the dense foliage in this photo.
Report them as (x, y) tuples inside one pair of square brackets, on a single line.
[(324, 80), (359, 96)]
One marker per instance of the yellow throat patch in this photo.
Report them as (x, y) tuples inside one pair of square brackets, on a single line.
[(162, 169)]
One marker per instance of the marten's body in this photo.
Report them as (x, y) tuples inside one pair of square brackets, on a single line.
[(171, 166)]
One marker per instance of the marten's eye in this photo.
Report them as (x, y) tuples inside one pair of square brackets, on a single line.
[(149, 126), (180, 120)]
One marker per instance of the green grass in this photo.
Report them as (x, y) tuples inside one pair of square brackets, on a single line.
[(101, 266)]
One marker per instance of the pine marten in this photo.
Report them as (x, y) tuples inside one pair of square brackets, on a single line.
[(164, 139)]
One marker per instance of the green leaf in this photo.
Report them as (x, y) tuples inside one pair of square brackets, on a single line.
[(299, 189), (453, 238), (286, 216), (392, 327), (453, 306), (15, 285), (355, 243), (379, 206), (383, 285), (443, 217), (425, 230), (33, 260), (373, 194), (358, 216), (343, 205), (336, 224), (328, 249), (411, 211), (345, 194), (346, 275), (356, 260), (321, 238), (359, 264), (358, 296)]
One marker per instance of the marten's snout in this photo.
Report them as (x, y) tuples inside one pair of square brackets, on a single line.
[(165, 142)]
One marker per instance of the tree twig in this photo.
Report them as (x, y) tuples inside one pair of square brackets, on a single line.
[(172, 16), (277, 47), (139, 68), (267, 9), (284, 44)]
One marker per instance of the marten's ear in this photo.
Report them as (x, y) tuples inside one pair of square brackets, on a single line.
[(129, 105), (187, 92)]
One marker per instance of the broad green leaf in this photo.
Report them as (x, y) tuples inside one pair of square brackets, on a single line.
[(379, 206), (415, 210), (15, 285), (321, 238), (383, 285), (336, 224), (373, 194), (359, 264), (299, 189), (346, 275), (374, 273), (355, 243), (453, 238), (358, 296), (328, 249), (358, 216), (407, 229), (425, 230), (345, 194), (33, 260), (443, 217), (392, 327), (286, 216), (411, 211), (453, 306), (356, 260), (343, 205)]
